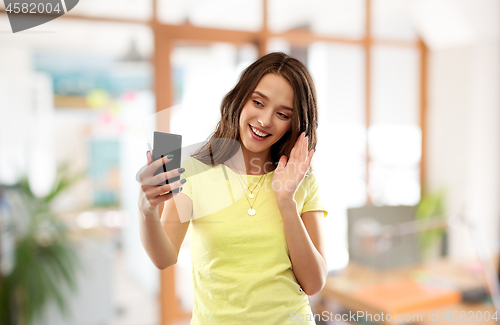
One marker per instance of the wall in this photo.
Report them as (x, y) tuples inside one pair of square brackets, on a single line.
[(464, 136)]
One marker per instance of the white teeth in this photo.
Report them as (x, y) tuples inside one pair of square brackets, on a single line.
[(258, 132)]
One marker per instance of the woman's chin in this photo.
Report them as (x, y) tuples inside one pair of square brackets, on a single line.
[(255, 147)]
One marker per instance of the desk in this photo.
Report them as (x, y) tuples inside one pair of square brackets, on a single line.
[(340, 288)]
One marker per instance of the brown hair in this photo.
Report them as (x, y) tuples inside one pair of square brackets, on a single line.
[(304, 116)]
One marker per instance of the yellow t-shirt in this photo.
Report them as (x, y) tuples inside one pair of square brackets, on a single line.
[(241, 269)]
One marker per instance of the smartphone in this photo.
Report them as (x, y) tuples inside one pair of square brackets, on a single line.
[(165, 144)]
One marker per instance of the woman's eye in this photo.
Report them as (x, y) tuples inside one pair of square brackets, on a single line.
[(257, 103), (283, 115)]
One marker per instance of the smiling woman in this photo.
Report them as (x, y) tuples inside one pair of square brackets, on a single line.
[(257, 258), (264, 119)]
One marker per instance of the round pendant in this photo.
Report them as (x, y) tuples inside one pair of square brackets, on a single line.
[(250, 195), (251, 212)]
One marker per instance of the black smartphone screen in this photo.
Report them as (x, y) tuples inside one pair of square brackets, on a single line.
[(165, 144)]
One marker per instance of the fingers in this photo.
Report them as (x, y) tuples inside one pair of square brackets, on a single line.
[(157, 164), (295, 153), (159, 190), (162, 177), (162, 198), (302, 157), (305, 144), (158, 194), (145, 172), (149, 156), (309, 157), (298, 149), (146, 177), (281, 163)]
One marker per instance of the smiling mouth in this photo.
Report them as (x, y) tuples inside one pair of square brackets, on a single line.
[(259, 133)]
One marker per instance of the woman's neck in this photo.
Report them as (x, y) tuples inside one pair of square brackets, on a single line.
[(252, 163)]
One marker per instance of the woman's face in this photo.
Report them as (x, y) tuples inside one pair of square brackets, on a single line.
[(267, 115)]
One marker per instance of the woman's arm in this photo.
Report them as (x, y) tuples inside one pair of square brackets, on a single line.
[(162, 239), (305, 241), (303, 233)]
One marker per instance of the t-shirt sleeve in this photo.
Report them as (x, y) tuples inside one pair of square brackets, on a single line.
[(192, 174), (313, 200)]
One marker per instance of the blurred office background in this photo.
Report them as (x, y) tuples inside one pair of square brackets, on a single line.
[(409, 105)]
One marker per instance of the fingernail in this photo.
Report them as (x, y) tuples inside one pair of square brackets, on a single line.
[(180, 188), (183, 181), (170, 156), (181, 170)]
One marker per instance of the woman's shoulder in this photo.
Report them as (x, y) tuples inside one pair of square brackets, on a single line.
[(193, 166), (191, 160), (309, 181), (311, 177)]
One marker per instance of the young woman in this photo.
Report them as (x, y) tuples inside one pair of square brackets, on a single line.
[(257, 250)]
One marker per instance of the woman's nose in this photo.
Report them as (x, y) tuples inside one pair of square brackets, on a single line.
[(265, 119)]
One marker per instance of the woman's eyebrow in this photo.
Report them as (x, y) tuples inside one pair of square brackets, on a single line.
[(266, 98)]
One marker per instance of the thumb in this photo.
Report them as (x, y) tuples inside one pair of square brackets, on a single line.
[(149, 157)]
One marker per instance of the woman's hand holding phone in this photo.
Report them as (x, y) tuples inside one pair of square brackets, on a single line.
[(151, 195)]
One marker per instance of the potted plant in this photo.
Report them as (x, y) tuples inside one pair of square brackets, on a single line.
[(44, 260), (431, 205)]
